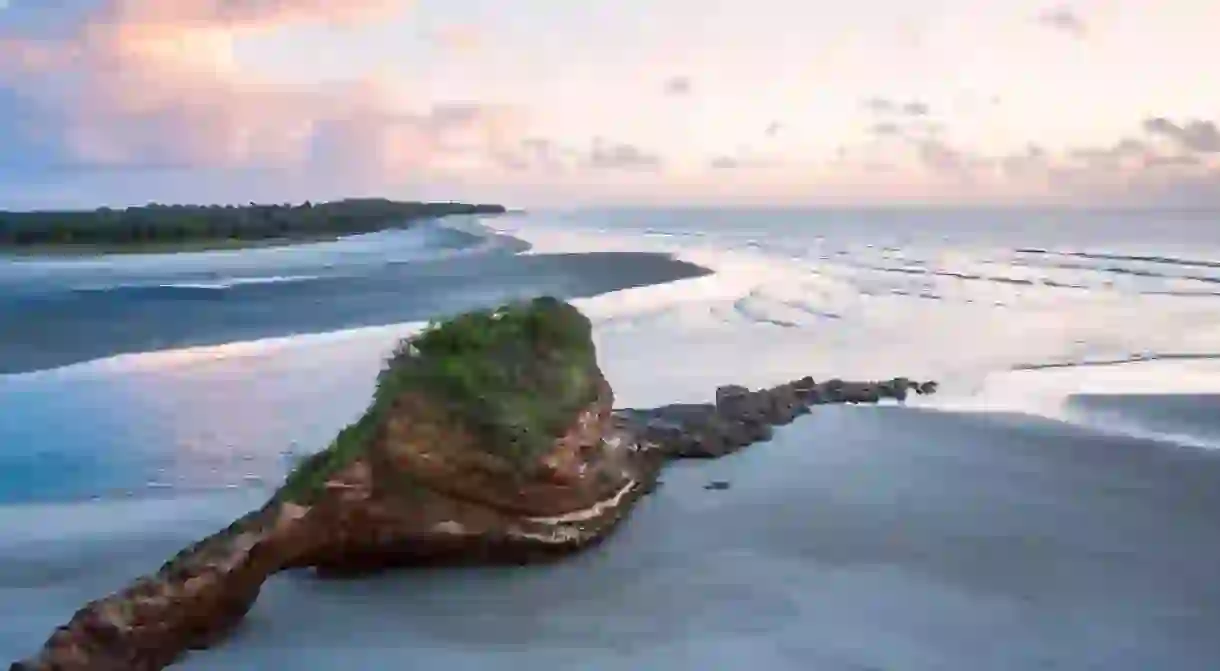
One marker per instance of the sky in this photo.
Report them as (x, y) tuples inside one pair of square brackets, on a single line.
[(560, 102)]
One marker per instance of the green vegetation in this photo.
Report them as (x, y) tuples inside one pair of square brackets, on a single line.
[(157, 227), (514, 376), (307, 478)]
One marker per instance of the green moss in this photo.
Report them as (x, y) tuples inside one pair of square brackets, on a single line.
[(308, 477), (514, 376)]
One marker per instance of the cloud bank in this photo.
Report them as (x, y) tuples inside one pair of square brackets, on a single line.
[(148, 99), (140, 84), (1063, 20)]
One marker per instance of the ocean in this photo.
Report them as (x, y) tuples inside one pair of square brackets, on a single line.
[(1054, 506)]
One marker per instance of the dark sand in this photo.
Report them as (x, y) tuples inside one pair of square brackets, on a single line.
[(860, 539)]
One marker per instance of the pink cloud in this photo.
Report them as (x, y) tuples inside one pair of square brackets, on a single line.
[(459, 38), (149, 82), (248, 13)]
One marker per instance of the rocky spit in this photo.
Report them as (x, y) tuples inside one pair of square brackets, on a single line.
[(425, 492), (740, 417)]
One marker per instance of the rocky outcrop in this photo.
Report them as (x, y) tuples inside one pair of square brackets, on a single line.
[(491, 439), (741, 417)]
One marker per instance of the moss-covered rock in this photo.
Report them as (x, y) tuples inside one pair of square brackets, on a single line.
[(427, 477), (513, 377)]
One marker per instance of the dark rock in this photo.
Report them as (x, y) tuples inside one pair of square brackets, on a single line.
[(715, 436), (737, 402), (831, 391), (860, 392), (729, 399), (816, 396), (839, 391), (784, 404), (680, 430), (897, 388), (684, 412), (806, 388), (756, 432)]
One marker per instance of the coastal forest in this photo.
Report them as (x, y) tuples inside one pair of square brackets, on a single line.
[(159, 225)]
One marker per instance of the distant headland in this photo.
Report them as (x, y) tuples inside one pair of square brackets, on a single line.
[(166, 228)]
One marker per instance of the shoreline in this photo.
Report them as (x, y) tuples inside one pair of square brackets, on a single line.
[(596, 275), (968, 558), (416, 494), (166, 229), (69, 250)]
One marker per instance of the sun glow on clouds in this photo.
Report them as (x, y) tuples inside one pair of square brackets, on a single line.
[(147, 82), (668, 101)]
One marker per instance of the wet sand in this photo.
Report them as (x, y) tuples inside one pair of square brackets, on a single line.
[(62, 325), (860, 538)]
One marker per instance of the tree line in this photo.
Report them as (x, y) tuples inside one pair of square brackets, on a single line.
[(157, 223)]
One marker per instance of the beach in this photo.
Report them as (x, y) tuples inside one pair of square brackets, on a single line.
[(1041, 511)]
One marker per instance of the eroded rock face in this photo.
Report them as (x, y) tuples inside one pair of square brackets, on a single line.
[(397, 506), (424, 483)]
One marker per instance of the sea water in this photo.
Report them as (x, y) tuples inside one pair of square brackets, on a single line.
[(1052, 507)]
